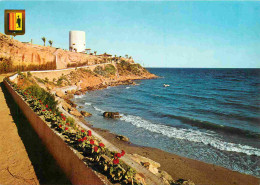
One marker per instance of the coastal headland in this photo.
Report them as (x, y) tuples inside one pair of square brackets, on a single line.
[(95, 73)]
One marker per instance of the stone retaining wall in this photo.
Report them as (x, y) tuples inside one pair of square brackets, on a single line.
[(74, 168)]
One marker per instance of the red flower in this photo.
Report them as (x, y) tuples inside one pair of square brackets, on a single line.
[(116, 161), (95, 148), (91, 142), (43, 110), (67, 124), (122, 153), (101, 145), (64, 119), (60, 126), (66, 128), (84, 138), (61, 115), (117, 155), (82, 131), (32, 96), (46, 106), (80, 140), (50, 110), (89, 133), (40, 101)]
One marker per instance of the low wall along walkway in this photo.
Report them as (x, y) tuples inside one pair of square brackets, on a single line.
[(71, 163)]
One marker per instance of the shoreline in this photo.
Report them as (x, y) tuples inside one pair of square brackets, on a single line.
[(179, 167)]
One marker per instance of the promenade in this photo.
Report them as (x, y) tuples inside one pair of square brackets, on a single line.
[(23, 158)]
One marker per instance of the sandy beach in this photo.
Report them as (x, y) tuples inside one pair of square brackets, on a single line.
[(180, 167)]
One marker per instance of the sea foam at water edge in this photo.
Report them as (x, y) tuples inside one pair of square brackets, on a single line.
[(190, 135), (79, 96)]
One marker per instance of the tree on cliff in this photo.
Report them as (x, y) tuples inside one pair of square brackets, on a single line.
[(95, 52), (50, 42), (44, 40)]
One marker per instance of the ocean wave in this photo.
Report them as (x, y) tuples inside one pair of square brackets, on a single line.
[(128, 87), (98, 109), (212, 126), (87, 103), (190, 135)]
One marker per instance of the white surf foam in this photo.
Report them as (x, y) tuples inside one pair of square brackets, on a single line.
[(190, 135), (79, 96), (98, 109), (128, 87), (87, 103)]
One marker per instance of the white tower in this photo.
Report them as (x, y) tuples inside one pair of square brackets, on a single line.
[(77, 41)]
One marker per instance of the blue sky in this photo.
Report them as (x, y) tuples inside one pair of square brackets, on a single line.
[(154, 33)]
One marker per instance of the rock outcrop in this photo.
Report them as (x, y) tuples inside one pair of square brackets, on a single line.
[(85, 114), (111, 115), (75, 112), (122, 138), (59, 93)]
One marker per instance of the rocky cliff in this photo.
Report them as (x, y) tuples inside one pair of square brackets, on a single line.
[(25, 56)]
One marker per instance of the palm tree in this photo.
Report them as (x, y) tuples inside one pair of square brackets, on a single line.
[(50, 42), (95, 52), (44, 40)]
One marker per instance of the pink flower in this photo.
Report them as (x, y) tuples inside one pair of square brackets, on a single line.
[(95, 148), (116, 161), (89, 133)]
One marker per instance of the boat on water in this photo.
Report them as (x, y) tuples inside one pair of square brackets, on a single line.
[(166, 85)]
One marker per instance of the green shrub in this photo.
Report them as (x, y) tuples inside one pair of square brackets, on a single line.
[(29, 74), (135, 68), (70, 120), (61, 78), (46, 97), (99, 70), (40, 80), (110, 69)]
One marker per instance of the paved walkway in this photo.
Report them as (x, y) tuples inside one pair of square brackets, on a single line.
[(15, 165)]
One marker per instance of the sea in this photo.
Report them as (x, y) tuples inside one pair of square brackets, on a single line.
[(211, 115)]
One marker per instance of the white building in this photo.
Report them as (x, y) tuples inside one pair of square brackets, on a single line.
[(77, 41)]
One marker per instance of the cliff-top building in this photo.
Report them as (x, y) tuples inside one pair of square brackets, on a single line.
[(77, 41)]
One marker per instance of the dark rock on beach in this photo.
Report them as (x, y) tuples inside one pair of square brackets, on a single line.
[(85, 114), (111, 115), (122, 138)]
